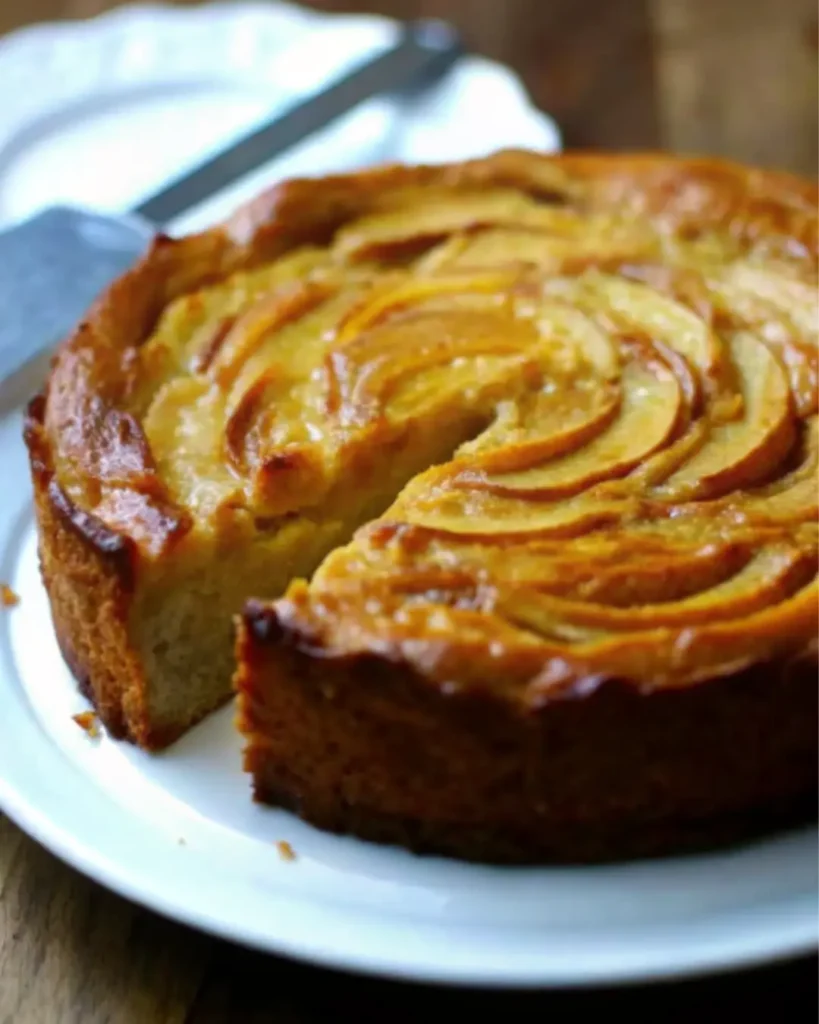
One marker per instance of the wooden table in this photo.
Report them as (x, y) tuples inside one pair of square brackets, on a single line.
[(732, 77)]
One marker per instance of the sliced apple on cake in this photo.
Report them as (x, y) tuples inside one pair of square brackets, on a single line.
[(506, 471)]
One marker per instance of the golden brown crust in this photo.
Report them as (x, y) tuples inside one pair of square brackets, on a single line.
[(366, 744), (484, 627), (86, 571)]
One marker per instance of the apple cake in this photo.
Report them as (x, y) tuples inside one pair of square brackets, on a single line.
[(506, 472)]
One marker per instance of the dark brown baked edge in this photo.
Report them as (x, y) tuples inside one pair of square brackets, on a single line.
[(88, 572), (365, 745)]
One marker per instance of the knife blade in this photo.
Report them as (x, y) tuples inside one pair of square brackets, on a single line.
[(54, 265)]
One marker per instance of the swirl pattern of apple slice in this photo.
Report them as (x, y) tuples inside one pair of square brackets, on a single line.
[(600, 425)]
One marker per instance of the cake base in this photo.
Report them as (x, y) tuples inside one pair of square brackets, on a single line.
[(365, 745)]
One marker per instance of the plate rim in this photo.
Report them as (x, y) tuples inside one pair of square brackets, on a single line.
[(801, 941)]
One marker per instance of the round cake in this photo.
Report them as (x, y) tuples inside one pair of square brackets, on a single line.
[(542, 435)]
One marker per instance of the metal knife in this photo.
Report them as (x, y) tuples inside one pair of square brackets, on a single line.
[(54, 265)]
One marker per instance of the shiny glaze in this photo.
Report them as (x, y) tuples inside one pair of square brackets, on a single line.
[(619, 356)]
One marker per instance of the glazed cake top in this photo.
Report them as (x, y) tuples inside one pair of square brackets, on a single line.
[(587, 384)]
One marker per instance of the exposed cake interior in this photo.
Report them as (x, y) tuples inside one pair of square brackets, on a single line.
[(280, 435)]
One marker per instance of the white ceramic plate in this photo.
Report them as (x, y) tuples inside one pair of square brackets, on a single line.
[(179, 833)]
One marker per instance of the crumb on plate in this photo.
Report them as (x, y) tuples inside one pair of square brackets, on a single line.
[(89, 722), (286, 851), (8, 598)]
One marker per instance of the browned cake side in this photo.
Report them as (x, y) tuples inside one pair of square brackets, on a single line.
[(600, 771)]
